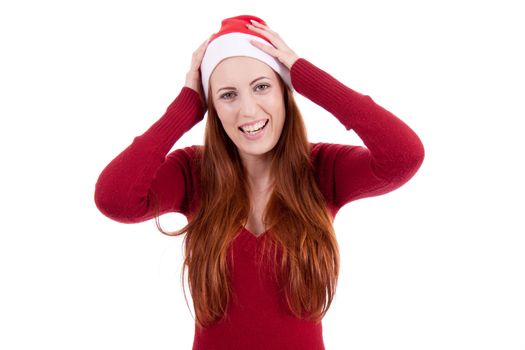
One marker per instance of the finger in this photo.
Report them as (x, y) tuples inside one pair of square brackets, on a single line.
[(266, 48), (258, 24), (263, 26), (199, 53), (258, 29), (271, 35), (204, 45), (199, 50)]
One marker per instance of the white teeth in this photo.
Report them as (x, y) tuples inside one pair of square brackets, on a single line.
[(252, 128)]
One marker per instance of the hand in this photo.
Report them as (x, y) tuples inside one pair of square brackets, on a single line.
[(193, 77), (279, 50)]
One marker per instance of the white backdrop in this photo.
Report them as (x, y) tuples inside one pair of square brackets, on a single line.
[(437, 264)]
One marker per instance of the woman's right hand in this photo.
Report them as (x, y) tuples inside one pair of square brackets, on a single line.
[(193, 77)]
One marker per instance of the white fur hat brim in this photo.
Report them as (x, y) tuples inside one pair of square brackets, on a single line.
[(237, 44)]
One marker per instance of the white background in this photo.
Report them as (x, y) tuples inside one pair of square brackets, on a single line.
[(437, 264)]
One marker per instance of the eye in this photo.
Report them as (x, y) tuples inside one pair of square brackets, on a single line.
[(226, 95), (265, 85)]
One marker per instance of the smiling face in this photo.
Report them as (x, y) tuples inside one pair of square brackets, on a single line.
[(247, 93)]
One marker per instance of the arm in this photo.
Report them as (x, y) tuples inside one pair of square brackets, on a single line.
[(393, 152), (128, 186)]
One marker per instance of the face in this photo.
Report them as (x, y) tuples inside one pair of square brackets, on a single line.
[(247, 93)]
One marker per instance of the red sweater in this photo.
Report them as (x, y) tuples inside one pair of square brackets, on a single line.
[(258, 316)]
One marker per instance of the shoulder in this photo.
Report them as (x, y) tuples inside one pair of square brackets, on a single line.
[(323, 158), (192, 152), (186, 162), (186, 158)]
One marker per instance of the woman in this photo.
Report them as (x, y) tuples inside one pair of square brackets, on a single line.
[(260, 249)]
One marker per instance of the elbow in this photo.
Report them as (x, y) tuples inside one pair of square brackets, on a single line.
[(105, 204), (417, 155), (410, 162), (109, 205), (117, 208), (403, 166)]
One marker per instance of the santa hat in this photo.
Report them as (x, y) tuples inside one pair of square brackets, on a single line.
[(233, 39)]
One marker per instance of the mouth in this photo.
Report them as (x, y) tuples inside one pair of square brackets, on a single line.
[(254, 131)]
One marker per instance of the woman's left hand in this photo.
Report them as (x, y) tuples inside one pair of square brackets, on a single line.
[(279, 50)]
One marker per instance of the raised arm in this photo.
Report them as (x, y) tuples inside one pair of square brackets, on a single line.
[(393, 151), (143, 172), (143, 176)]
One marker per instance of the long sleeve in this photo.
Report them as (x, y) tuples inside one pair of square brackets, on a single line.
[(143, 174), (393, 151)]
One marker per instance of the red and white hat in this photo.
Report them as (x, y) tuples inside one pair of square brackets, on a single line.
[(233, 39)]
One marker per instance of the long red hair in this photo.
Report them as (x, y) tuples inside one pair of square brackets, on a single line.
[(300, 225)]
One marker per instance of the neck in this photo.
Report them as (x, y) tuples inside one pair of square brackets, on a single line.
[(258, 169)]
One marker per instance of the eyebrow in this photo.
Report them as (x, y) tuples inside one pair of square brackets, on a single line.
[(231, 87)]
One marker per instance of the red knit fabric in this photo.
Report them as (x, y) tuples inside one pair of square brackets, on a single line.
[(258, 317)]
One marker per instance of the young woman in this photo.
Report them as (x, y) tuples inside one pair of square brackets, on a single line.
[(260, 248)]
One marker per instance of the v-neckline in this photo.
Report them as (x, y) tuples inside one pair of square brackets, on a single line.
[(254, 235), (249, 242)]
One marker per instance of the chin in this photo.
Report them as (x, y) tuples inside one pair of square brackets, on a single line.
[(255, 149)]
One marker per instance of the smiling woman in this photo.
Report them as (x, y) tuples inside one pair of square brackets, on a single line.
[(260, 247), (253, 99)]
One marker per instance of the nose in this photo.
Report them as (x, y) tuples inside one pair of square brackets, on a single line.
[(248, 105)]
